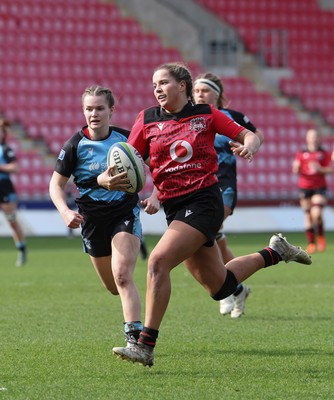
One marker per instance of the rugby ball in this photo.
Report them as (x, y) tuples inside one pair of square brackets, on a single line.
[(127, 159)]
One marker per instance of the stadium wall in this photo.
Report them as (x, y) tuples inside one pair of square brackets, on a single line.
[(248, 219)]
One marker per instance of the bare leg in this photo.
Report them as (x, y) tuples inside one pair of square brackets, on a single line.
[(125, 249), (116, 273), (317, 204), (225, 250), (176, 244), (210, 272), (17, 232), (102, 266), (222, 243), (306, 206), (10, 209)]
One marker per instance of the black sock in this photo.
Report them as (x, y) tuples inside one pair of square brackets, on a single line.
[(148, 336), (270, 256), (133, 334), (240, 288), (21, 247)]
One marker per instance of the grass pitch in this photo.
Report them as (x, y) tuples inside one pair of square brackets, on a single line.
[(58, 326)]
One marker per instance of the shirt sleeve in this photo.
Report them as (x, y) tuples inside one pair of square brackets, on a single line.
[(66, 160), (136, 137), (9, 154), (298, 156), (328, 159), (242, 120), (224, 125)]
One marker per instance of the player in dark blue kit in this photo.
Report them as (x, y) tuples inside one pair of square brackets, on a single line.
[(109, 217), (208, 89), (8, 198)]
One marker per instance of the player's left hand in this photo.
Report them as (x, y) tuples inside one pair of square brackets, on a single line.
[(111, 181), (241, 150)]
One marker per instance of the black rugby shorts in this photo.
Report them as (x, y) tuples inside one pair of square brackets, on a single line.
[(203, 210), (97, 237)]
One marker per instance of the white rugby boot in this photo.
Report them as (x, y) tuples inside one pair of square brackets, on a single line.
[(288, 251)]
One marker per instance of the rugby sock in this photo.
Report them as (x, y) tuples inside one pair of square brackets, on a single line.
[(270, 256), (320, 229), (148, 336), (132, 329), (310, 235), (20, 246)]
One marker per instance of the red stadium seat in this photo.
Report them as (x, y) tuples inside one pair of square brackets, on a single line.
[(309, 34), (53, 50)]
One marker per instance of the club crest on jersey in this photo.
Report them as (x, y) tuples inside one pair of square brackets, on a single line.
[(197, 124), (160, 125)]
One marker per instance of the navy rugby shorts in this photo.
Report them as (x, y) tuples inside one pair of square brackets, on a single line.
[(97, 236), (7, 191)]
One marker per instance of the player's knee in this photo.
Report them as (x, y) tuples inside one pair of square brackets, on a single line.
[(318, 205), (11, 217), (228, 288), (123, 278), (156, 267)]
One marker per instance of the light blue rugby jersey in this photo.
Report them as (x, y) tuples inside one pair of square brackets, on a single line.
[(85, 159)]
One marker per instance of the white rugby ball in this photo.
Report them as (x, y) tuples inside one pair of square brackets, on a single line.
[(127, 159)]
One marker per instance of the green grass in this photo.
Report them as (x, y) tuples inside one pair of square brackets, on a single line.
[(58, 326)]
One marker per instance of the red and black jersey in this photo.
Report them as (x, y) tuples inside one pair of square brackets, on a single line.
[(309, 178), (181, 146)]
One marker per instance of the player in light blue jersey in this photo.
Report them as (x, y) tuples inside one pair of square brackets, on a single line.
[(208, 88), (108, 216)]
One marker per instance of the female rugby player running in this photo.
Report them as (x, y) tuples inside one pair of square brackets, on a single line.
[(109, 218), (179, 137)]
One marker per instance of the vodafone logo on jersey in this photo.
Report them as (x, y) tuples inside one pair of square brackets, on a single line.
[(181, 151)]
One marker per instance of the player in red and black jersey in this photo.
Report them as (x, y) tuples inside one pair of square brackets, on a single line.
[(312, 164), (179, 138)]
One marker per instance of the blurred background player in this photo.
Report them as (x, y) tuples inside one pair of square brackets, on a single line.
[(312, 164), (208, 88), (8, 198)]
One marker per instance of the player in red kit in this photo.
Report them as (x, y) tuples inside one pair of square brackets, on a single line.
[(312, 164), (179, 138)]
